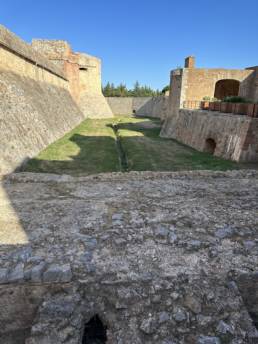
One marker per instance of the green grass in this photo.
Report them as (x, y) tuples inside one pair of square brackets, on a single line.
[(145, 150), (92, 148), (87, 149)]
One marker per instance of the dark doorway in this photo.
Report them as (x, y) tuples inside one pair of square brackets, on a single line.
[(210, 146), (226, 88), (94, 332)]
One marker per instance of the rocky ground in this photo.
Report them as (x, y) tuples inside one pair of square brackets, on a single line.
[(166, 258)]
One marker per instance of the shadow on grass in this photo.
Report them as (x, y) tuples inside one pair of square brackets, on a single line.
[(131, 146), (96, 154), (150, 128)]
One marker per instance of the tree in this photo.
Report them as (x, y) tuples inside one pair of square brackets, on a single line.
[(165, 89), (110, 90), (107, 90)]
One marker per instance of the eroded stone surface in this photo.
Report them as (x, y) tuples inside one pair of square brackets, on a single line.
[(158, 256)]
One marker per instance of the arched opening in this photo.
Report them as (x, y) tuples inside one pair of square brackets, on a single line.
[(226, 88), (210, 146), (94, 332)]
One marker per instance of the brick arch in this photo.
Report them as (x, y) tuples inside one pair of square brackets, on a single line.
[(226, 87)]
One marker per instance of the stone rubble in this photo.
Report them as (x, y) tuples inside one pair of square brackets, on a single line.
[(166, 258)]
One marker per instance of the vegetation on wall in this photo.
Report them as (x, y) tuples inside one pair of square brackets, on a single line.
[(210, 99), (110, 90), (236, 99), (229, 99), (165, 89)]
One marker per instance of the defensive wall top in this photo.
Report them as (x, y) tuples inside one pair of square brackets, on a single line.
[(61, 50), (13, 43)]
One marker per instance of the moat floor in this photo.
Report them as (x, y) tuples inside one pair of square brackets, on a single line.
[(121, 144)]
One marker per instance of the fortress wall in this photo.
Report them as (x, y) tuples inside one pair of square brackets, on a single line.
[(121, 105), (84, 74), (175, 100), (140, 106), (200, 82), (60, 53), (36, 107), (235, 136), (192, 84), (11, 42), (9, 61), (156, 107), (249, 87), (92, 102)]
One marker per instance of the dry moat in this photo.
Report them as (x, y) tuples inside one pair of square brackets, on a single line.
[(114, 229)]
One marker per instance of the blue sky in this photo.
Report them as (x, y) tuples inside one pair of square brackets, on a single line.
[(143, 40)]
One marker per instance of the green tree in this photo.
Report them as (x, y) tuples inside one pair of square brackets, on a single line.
[(136, 89), (165, 89), (110, 90), (107, 90)]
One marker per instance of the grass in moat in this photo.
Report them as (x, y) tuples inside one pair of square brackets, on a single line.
[(121, 144)]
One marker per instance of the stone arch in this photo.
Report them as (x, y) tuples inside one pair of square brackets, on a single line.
[(226, 87), (94, 331), (210, 145)]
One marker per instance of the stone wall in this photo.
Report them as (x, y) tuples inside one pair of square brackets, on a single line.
[(16, 46), (156, 107), (141, 106), (126, 105), (249, 87), (200, 82), (36, 107), (193, 84), (84, 74), (235, 136)]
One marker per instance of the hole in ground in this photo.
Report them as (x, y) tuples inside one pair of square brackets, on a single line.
[(94, 332)]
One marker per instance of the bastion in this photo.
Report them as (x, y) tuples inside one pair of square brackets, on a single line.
[(83, 72), (45, 91), (231, 136)]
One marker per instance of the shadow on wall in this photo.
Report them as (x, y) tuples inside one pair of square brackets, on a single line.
[(156, 107), (226, 88)]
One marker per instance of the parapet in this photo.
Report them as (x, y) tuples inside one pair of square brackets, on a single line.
[(58, 50), (52, 49), (11, 42)]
